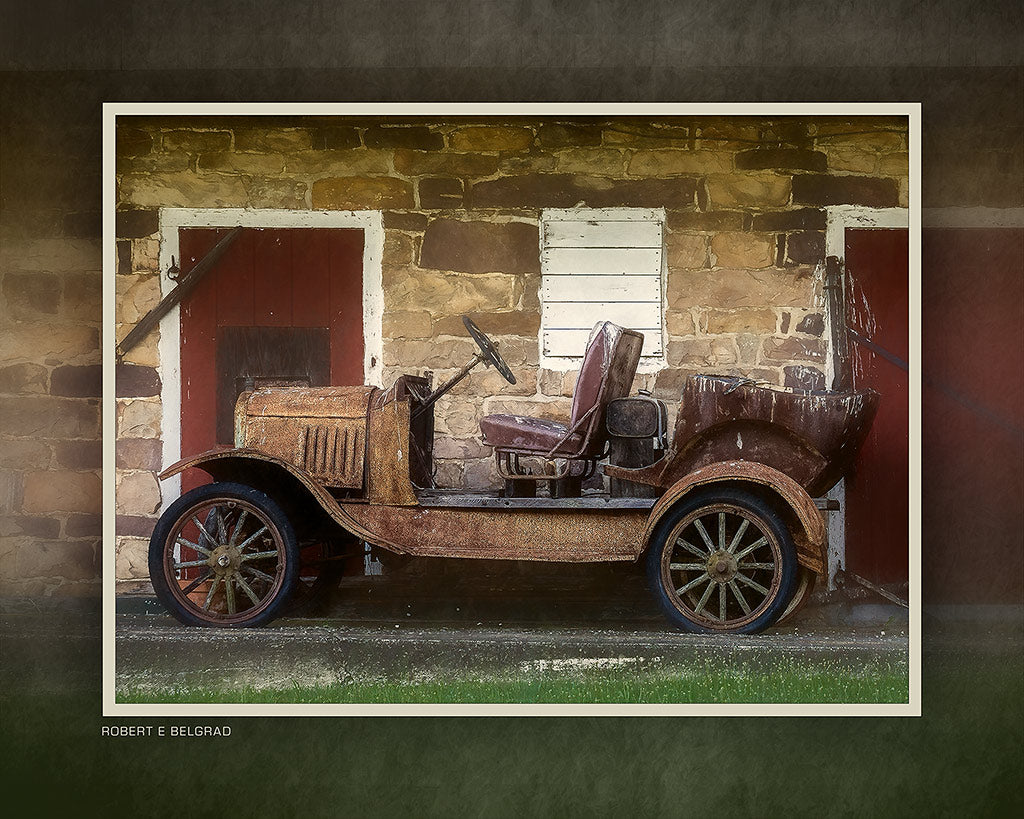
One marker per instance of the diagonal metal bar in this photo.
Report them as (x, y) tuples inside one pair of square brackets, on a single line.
[(186, 284)]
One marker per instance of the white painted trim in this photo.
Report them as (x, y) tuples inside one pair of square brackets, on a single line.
[(651, 364), (371, 222), (839, 219)]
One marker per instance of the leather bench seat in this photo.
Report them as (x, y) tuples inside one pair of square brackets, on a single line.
[(519, 432)]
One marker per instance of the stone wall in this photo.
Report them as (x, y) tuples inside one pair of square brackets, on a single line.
[(462, 201)]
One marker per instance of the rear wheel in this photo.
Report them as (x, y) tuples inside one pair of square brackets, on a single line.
[(224, 555), (722, 561)]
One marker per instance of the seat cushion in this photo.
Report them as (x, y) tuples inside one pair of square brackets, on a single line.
[(531, 434)]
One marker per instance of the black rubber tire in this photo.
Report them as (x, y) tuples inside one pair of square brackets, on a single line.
[(262, 508), (742, 504)]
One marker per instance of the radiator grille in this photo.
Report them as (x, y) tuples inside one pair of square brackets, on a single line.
[(333, 454)]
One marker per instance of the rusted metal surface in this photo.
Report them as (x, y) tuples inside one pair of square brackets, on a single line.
[(322, 430), (503, 534), (812, 437), (808, 535), (389, 452), (637, 427), (835, 297)]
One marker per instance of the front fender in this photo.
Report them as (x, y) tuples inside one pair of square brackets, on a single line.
[(802, 517), (278, 478)]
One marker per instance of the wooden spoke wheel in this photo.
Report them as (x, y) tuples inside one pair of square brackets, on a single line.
[(722, 561), (224, 555)]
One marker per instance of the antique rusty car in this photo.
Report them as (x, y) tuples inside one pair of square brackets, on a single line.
[(723, 514)]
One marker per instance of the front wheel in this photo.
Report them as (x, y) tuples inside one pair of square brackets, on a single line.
[(722, 561), (224, 555)]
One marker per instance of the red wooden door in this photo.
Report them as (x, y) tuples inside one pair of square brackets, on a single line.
[(281, 306), (877, 492)]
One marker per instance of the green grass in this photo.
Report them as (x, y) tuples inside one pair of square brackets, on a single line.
[(787, 682)]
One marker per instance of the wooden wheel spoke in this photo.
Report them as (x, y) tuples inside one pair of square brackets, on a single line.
[(247, 589), (251, 538), (752, 583), (721, 602), (258, 574), (738, 536), (257, 556), (756, 565), (704, 599), (721, 530), (209, 594), (704, 535), (687, 567), (690, 547), (181, 541), (188, 563), (693, 583), (238, 527), (739, 597), (761, 541), (222, 529), (202, 529), (229, 594), (191, 587)]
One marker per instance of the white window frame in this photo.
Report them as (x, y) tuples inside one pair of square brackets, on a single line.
[(648, 364)]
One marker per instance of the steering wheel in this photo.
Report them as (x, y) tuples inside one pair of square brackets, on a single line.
[(490, 352)]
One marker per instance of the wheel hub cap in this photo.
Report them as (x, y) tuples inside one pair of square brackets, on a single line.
[(722, 567), (224, 560)]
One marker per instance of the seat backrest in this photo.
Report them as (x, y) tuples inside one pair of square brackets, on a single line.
[(607, 372)]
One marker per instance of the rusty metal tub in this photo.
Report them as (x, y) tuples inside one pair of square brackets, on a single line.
[(810, 436)]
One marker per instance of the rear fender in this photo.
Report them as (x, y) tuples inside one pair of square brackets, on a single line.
[(795, 506)]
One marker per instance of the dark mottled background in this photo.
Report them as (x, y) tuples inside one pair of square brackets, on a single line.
[(60, 60)]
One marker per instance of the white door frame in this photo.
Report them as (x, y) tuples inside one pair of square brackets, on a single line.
[(371, 222), (839, 219)]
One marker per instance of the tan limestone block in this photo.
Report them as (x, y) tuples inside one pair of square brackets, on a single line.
[(700, 352), (491, 138), (340, 163), (137, 493), (748, 190), (728, 289), (131, 558), (894, 164), (52, 255), (136, 296), (145, 255), (407, 324), (139, 418), (447, 294), (686, 251), (280, 192), (680, 162), (184, 190), (599, 161), (50, 343), (679, 323), (741, 249), (761, 320), (62, 491), (362, 192), (851, 158)]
